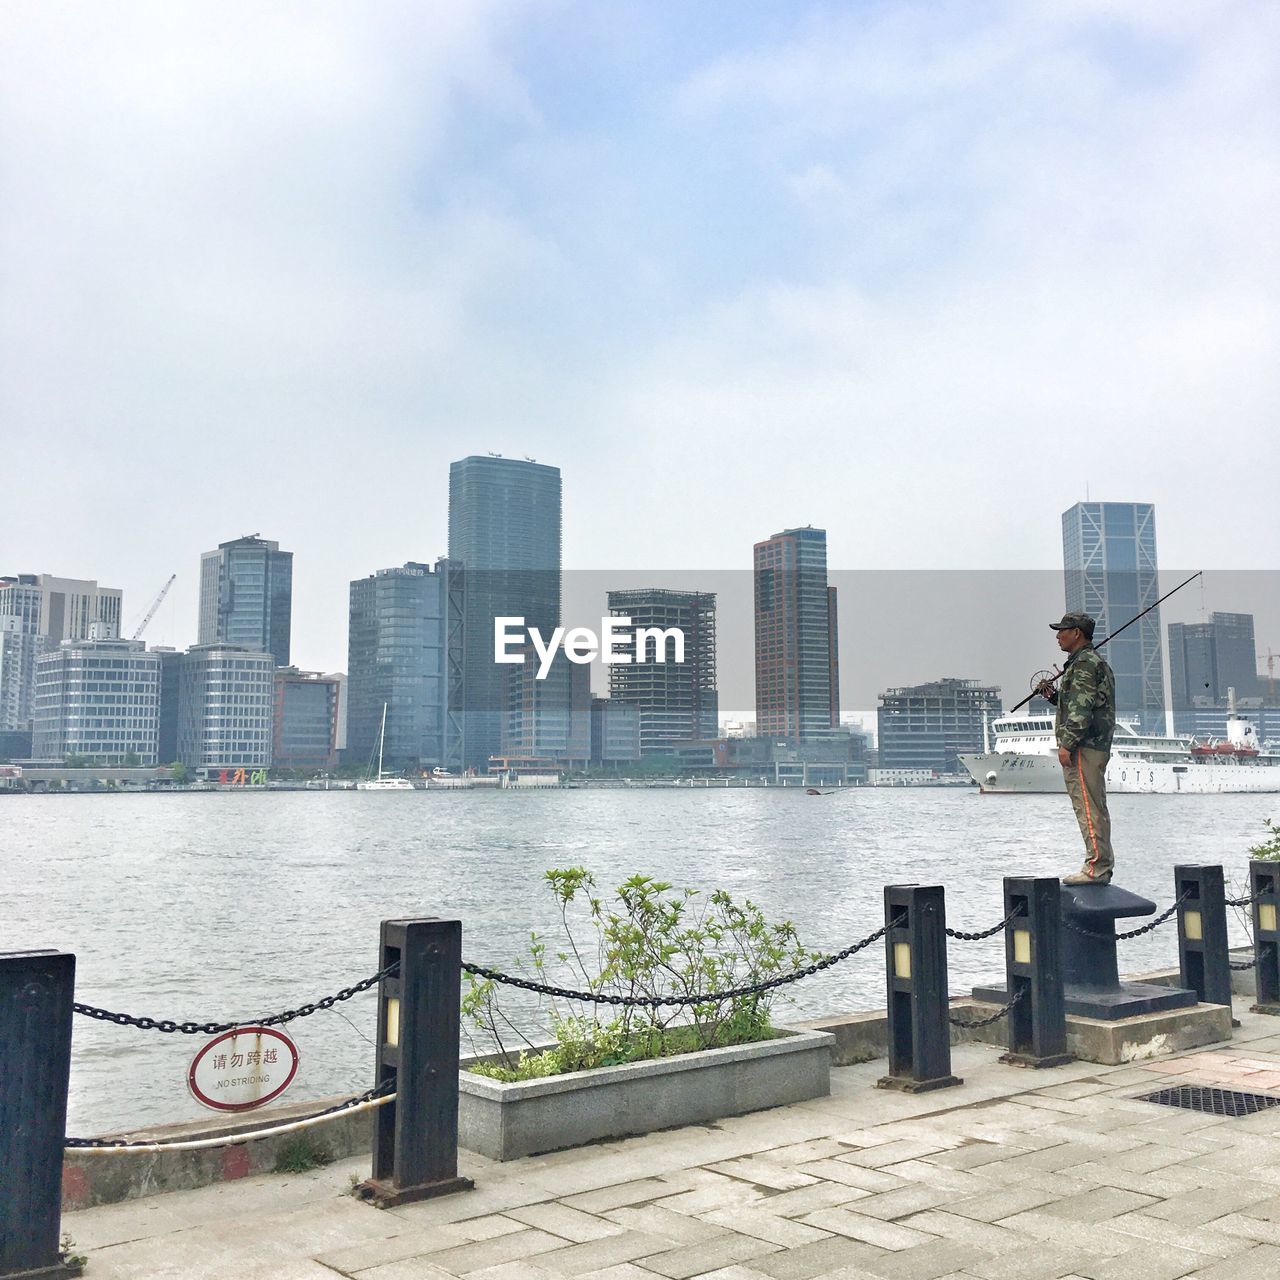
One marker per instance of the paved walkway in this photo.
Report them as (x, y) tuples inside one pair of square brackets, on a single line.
[(1015, 1174)]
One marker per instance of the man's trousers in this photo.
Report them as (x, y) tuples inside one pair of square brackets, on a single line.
[(1087, 787)]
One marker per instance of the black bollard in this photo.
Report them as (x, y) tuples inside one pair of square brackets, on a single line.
[(1203, 950), (1264, 883), (916, 968), (415, 1138), (1033, 969), (37, 989)]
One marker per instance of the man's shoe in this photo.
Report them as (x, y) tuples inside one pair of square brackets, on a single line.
[(1084, 878)]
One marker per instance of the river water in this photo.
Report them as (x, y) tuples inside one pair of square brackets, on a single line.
[(224, 906)]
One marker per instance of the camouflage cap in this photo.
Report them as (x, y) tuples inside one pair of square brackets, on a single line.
[(1069, 620)]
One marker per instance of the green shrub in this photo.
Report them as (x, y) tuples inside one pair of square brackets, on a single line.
[(649, 940), (301, 1153)]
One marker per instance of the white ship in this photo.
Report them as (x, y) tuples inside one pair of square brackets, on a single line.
[(1025, 758), (384, 781)]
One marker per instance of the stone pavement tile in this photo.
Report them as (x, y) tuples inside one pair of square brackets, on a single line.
[(639, 1191), (1094, 1173), (657, 1220), (619, 1271), (489, 1225), (1098, 1204), (1146, 1158), (109, 1224), (926, 1261), (404, 1269), (1248, 1149), (495, 1197), (765, 1226), (1241, 1224), (1203, 1239), (762, 1172), (565, 1221), (1150, 1262), (709, 1255), (961, 1181), (884, 1235), (516, 1247), (984, 1235), (803, 1152), (1268, 1207), (1012, 1165), (822, 1195), (511, 1271), (852, 1175), (1100, 1240), (979, 1153), (820, 1258), (1037, 1261), (597, 1254), (888, 1205), (717, 1192), (1262, 1262), (892, 1153), (409, 1244), (1073, 1090), (1001, 1202), (1191, 1208)]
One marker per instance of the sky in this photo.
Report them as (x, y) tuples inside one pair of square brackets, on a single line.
[(923, 274)]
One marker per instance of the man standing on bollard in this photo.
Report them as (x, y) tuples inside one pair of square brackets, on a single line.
[(1086, 720)]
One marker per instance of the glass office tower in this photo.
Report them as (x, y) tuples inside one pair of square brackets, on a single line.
[(246, 596)]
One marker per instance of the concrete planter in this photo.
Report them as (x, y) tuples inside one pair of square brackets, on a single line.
[(506, 1121)]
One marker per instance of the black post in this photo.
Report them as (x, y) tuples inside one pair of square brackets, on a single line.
[(1203, 951), (915, 943), (1264, 885), (415, 1138), (37, 989), (1033, 969)]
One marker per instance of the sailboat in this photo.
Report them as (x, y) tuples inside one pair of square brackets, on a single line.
[(384, 781)]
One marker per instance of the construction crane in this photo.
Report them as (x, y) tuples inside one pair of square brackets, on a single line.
[(151, 613)]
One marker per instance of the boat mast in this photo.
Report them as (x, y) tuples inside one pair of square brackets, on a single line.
[(382, 737)]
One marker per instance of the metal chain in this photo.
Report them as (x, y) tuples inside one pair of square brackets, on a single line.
[(1001, 1012), (984, 933), (378, 1091), (1240, 965), (1243, 902), (677, 1002), (168, 1026), (1131, 933)]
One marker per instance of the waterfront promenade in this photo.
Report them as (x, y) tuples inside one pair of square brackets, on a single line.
[(1020, 1174)]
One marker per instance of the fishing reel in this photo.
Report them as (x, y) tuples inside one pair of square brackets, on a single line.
[(1043, 678)]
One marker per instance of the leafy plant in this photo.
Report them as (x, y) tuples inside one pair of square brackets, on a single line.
[(72, 1260), (649, 940), (1269, 849), (302, 1153)]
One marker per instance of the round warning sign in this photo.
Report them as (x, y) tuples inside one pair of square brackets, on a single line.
[(242, 1069)]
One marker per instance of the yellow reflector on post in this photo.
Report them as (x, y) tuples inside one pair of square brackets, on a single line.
[(393, 1020), (1192, 927), (902, 960), (1022, 946), (1267, 916)]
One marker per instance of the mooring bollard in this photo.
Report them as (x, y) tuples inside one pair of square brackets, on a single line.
[(1264, 888), (1033, 969), (1204, 955), (37, 989), (415, 1138), (916, 977)]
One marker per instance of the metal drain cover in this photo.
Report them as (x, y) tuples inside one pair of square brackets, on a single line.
[(1214, 1102)]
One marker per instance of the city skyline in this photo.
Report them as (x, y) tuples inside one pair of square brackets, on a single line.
[(936, 251)]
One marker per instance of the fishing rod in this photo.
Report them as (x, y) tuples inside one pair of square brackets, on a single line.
[(1043, 678)]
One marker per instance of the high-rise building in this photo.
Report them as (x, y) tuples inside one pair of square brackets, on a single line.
[(1109, 558), (504, 533), (171, 661), (99, 699), (927, 726), (305, 721), (678, 701), (396, 658), (246, 596), (797, 658), (548, 717), (38, 611), (225, 701), (1208, 658), (615, 732)]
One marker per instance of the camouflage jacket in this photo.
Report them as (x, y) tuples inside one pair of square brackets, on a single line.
[(1086, 702)]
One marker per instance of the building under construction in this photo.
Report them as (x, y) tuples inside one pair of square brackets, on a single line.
[(677, 701)]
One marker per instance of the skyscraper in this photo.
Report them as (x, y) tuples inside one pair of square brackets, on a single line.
[(396, 658), (1109, 559), (504, 532), (246, 596), (678, 701), (1208, 658), (797, 663)]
